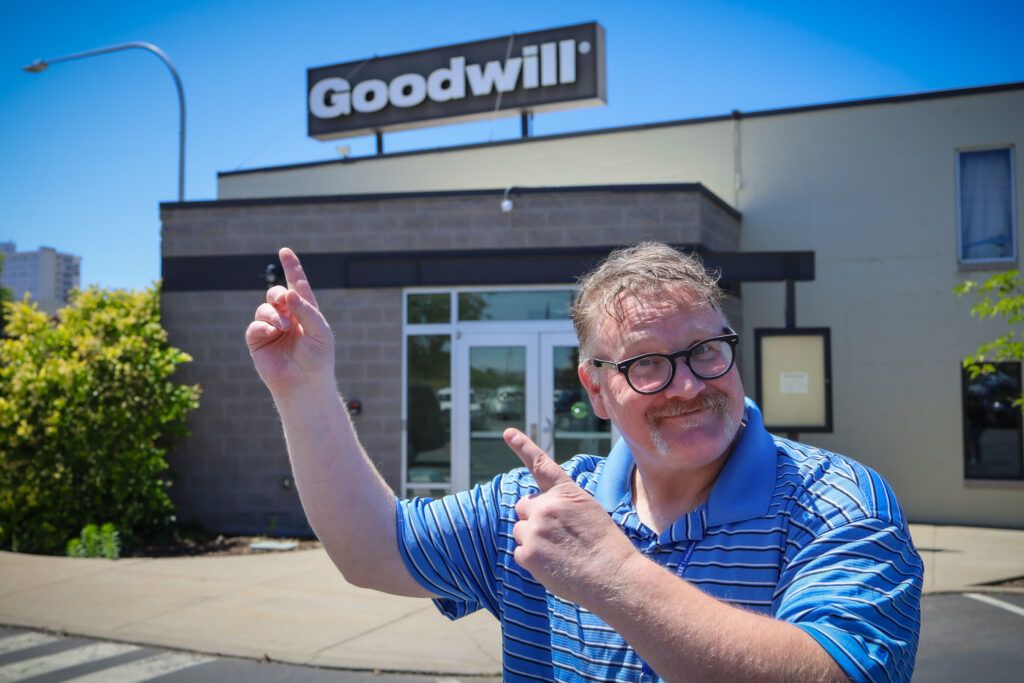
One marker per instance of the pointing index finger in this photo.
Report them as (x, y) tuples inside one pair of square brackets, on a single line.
[(295, 276), (545, 471)]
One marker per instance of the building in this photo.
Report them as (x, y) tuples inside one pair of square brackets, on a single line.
[(46, 275), (848, 222)]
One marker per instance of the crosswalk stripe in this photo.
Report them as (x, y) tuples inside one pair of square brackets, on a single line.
[(144, 669), (1001, 604), (62, 660), (23, 641)]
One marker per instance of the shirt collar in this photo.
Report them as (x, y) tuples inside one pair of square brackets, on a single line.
[(742, 491)]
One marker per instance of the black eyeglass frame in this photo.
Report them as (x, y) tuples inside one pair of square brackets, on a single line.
[(732, 339)]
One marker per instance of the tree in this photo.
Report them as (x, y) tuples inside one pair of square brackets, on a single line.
[(88, 410), (1001, 296)]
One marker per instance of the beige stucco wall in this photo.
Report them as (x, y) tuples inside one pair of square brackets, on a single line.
[(870, 188), (654, 155), (872, 191)]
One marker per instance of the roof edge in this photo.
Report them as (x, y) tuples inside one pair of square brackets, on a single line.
[(512, 191)]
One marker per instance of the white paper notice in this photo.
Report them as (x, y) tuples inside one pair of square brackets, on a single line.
[(793, 383)]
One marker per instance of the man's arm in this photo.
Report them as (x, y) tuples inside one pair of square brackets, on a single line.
[(569, 544), (685, 634), (347, 502)]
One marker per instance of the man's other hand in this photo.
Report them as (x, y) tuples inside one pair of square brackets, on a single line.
[(565, 538)]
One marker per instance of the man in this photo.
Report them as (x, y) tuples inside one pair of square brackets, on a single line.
[(701, 548)]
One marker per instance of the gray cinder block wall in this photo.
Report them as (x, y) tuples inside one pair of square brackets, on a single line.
[(232, 474)]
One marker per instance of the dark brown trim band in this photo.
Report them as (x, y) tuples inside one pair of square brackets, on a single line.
[(236, 272)]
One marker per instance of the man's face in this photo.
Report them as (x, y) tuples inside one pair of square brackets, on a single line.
[(692, 422)]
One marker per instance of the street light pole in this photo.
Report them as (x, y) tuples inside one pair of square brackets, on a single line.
[(41, 64)]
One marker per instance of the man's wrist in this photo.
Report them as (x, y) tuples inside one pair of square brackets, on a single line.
[(321, 389)]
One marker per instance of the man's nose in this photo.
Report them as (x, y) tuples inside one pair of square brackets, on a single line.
[(685, 384)]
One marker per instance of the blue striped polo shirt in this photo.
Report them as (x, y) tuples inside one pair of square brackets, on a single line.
[(789, 531)]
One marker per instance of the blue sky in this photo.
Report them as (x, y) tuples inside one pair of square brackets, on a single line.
[(90, 147)]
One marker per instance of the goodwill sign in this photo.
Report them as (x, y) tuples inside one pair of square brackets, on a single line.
[(560, 68)]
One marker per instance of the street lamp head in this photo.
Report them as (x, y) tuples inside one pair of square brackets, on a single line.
[(41, 65)]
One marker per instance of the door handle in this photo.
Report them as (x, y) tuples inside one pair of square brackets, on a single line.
[(550, 432)]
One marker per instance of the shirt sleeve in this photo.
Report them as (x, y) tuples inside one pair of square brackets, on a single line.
[(856, 589), (449, 546)]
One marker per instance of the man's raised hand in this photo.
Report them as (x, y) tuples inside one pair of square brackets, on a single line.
[(289, 340), (564, 537)]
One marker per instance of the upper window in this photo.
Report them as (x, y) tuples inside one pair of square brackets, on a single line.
[(425, 308), (985, 201), (515, 305), (431, 307)]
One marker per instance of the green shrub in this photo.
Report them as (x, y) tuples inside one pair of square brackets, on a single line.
[(93, 542), (1001, 296), (88, 410)]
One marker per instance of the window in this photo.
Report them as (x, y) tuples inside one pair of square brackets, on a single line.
[(515, 305), (992, 424), (431, 307), (985, 204)]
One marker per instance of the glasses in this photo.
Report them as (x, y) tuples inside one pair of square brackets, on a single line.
[(652, 372)]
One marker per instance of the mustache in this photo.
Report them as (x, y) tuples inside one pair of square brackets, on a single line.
[(717, 403)]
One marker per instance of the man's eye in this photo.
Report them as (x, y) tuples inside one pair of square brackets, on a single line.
[(707, 350)]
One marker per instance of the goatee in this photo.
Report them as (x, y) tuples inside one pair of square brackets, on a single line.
[(717, 404)]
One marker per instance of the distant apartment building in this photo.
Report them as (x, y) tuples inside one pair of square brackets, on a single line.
[(47, 275)]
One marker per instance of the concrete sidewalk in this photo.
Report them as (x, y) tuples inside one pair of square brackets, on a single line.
[(959, 559), (295, 607), (290, 607)]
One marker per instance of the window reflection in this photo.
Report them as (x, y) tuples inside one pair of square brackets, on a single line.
[(428, 448), (577, 429), (434, 307), (515, 305), (498, 377), (992, 424)]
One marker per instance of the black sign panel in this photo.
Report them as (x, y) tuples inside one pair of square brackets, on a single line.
[(559, 68)]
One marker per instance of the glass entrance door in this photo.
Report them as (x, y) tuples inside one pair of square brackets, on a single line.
[(568, 425), (522, 380), (496, 377)]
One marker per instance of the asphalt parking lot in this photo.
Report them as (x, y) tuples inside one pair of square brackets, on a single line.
[(966, 639)]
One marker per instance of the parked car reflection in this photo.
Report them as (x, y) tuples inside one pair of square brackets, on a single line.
[(507, 402), (444, 398)]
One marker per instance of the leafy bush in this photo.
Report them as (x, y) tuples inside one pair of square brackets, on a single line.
[(88, 411), (1001, 296), (93, 542)]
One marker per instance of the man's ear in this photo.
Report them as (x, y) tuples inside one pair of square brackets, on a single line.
[(586, 373)]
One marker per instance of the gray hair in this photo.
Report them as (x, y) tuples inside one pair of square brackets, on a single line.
[(645, 271)]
